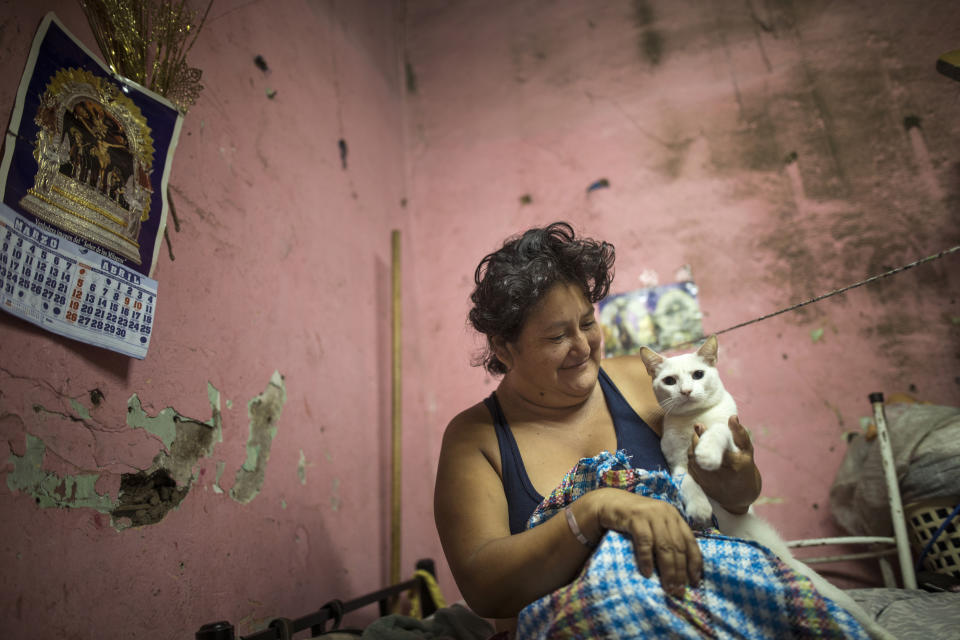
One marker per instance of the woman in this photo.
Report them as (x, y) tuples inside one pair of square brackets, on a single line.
[(554, 405)]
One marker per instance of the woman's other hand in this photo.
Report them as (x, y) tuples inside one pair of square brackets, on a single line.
[(736, 483), (661, 537)]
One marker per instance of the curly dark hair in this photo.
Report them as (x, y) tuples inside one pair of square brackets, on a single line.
[(512, 280)]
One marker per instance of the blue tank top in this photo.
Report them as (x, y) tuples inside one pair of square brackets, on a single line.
[(641, 443)]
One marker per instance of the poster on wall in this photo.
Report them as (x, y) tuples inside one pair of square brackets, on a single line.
[(83, 207), (659, 317)]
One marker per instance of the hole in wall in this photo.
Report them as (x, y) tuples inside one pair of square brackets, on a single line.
[(146, 498)]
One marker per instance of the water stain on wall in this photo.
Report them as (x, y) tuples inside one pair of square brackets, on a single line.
[(649, 38), (674, 147), (410, 77)]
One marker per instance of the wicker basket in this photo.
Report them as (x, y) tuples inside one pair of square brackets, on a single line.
[(923, 521)]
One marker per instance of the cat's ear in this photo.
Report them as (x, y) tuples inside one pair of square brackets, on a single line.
[(708, 351), (651, 360)]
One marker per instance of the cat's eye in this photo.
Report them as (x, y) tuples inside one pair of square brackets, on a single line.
[(697, 374), (669, 380)]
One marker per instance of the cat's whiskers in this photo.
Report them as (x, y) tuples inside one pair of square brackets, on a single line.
[(671, 403)]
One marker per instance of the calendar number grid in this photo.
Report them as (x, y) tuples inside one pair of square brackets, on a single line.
[(64, 288)]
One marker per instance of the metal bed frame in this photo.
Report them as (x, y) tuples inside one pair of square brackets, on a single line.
[(881, 546), (333, 611)]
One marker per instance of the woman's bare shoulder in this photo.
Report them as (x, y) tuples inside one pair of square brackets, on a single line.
[(630, 376), (630, 364), (472, 429), (469, 423)]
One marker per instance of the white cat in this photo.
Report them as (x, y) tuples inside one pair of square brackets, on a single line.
[(690, 392)]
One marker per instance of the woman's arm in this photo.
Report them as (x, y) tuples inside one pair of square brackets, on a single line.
[(737, 483), (497, 573)]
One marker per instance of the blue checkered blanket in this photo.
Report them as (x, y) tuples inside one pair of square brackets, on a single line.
[(746, 591)]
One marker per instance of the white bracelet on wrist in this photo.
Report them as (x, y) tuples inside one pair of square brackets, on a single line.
[(575, 528)]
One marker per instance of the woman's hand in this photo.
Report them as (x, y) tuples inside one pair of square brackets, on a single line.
[(736, 484), (661, 537)]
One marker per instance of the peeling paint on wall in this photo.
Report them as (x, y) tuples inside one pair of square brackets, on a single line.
[(302, 468), (147, 496), (80, 410), (221, 466), (264, 412), (49, 489), (164, 424), (144, 497)]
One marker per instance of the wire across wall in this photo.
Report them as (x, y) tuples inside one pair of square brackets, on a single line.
[(794, 307)]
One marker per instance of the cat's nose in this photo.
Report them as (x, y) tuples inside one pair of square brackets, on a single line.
[(686, 392)]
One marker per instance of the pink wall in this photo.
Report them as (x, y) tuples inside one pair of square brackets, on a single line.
[(691, 111), (282, 265)]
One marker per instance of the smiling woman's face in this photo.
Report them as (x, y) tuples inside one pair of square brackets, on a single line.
[(558, 351)]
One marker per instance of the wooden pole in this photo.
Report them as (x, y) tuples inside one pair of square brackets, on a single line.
[(395, 413)]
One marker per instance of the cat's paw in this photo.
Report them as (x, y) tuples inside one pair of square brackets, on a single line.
[(699, 510), (709, 458)]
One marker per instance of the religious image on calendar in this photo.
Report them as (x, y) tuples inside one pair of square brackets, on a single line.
[(89, 153)]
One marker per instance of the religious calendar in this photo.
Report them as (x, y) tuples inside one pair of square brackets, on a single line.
[(83, 183), (67, 289)]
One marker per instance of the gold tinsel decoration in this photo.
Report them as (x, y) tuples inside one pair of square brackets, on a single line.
[(147, 41)]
